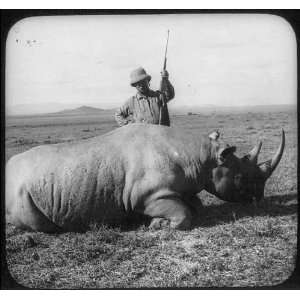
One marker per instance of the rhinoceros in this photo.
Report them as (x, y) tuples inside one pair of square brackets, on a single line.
[(139, 168)]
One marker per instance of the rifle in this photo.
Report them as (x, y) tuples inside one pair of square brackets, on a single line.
[(162, 81), (165, 60)]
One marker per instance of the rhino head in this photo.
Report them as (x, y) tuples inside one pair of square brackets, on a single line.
[(241, 180)]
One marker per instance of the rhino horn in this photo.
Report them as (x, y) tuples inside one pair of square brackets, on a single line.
[(253, 154), (269, 166)]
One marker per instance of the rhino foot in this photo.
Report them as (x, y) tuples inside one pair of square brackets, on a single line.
[(174, 211), (159, 223)]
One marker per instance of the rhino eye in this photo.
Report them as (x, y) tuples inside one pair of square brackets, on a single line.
[(245, 158), (238, 180)]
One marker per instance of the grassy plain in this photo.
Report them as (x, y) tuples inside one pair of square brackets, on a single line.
[(229, 246)]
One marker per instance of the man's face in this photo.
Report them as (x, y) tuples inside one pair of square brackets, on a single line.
[(142, 86)]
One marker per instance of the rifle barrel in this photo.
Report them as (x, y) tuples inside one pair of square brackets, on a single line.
[(165, 60), (167, 44)]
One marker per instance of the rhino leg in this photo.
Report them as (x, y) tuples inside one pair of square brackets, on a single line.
[(164, 211)]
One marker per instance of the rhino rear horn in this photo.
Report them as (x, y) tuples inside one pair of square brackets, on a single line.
[(253, 154), (269, 166)]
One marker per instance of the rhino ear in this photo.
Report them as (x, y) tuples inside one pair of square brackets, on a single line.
[(214, 135), (223, 153)]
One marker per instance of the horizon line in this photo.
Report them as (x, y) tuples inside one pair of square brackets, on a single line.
[(170, 108)]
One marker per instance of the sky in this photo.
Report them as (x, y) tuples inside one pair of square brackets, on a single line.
[(63, 62)]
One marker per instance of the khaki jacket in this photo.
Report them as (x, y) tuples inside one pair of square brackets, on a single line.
[(145, 108)]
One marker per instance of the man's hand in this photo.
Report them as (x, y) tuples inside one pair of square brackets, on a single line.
[(129, 120), (164, 74)]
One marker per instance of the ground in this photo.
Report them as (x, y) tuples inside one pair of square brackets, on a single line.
[(230, 245)]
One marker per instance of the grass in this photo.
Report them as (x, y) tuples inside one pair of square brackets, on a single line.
[(229, 245)]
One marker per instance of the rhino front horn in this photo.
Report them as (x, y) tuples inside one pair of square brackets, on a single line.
[(269, 166)]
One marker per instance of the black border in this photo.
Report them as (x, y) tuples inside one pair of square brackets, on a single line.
[(10, 17)]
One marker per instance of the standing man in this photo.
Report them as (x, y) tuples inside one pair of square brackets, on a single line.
[(147, 106)]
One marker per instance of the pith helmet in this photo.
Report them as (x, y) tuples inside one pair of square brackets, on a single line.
[(137, 75)]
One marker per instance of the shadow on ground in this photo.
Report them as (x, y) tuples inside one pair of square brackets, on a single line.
[(220, 212), (277, 205)]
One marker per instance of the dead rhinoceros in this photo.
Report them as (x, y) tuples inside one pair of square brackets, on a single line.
[(148, 169)]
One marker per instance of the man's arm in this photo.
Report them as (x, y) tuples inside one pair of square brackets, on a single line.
[(167, 88), (123, 113)]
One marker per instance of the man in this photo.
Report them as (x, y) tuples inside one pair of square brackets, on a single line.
[(147, 106)]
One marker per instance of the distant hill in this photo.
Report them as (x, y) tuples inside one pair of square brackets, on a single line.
[(212, 109), (173, 109), (82, 110)]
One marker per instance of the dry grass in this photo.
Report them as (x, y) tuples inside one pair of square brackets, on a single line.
[(229, 246)]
